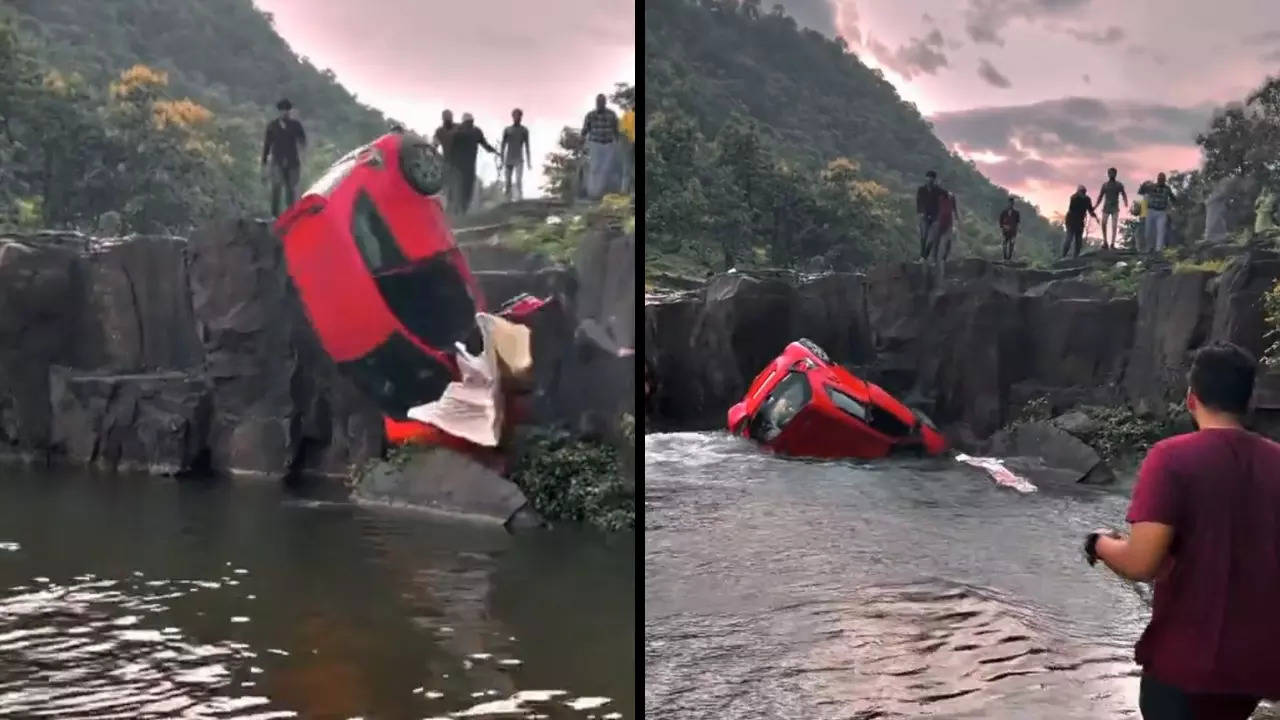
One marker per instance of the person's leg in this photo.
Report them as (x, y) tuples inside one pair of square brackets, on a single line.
[(922, 226), (1162, 228), (1115, 230), (520, 180), (465, 188), (507, 186), (1158, 701), (1066, 243), (277, 187), (947, 238), (291, 177)]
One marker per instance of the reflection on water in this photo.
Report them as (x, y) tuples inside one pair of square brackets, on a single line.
[(778, 588), (142, 598)]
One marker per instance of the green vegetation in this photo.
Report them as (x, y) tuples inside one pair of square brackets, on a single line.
[(1125, 278), (765, 144), (1213, 266), (1119, 434), (154, 110), (567, 478), (1271, 310), (558, 238)]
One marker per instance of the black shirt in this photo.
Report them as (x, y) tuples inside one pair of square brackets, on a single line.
[(927, 198), (282, 140), (1079, 207), (1010, 218), (462, 147)]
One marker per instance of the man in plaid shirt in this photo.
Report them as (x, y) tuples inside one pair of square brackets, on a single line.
[(600, 133)]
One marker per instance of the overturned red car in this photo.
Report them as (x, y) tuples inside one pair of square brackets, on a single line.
[(375, 265), (804, 405)]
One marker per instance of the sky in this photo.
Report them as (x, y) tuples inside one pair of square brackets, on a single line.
[(1044, 95), (412, 59)]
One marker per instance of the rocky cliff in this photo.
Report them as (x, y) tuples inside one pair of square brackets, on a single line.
[(173, 355), (970, 349)]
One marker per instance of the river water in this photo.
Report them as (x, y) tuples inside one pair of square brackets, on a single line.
[(147, 598), (788, 589)]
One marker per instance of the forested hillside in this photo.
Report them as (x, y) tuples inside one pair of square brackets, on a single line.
[(83, 131), (765, 143)]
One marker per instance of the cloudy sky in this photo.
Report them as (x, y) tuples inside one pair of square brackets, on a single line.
[(413, 58), (1046, 94)]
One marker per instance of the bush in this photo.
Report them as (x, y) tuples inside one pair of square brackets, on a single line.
[(1122, 434), (1213, 266), (573, 479)]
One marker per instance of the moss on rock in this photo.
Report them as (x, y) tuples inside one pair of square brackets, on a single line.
[(568, 478)]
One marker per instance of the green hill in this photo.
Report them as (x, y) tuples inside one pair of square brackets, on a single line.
[(81, 138), (717, 70), (224, 54)]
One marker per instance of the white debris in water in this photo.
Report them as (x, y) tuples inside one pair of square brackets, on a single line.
[(478, 694), (241, 571), (254, 669), (239, 619), (480, 656), (467, 665), (998, 472), (138, 573), (433, 695), (250, 597), (278, 651), (10, 546), (511, 662), (588, 703), (126, 620), (445, 630), (154, 636), (512, 638), (612, 716), (43, 580)]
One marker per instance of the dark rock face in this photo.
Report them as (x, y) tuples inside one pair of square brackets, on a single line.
[(970, 349), (1063, 455), (172, 356), (155, 423)]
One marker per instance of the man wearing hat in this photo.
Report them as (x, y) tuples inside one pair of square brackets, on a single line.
[(283, 145)]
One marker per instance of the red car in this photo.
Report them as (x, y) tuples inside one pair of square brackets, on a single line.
[(375, 264), (803, 404)]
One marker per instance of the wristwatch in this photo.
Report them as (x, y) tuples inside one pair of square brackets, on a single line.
[(1091, 547)]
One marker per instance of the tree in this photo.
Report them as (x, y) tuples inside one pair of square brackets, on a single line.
[(561, 171)]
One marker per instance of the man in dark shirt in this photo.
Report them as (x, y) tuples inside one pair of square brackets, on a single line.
[(443, 140), (515, 153), (1109, 196), (463, 146), (1080, 206), (1205, 528), (600, 134), (928, 196), (1010, 218), (282, 149)]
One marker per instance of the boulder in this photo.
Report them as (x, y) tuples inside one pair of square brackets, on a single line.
[(154, 423), (1174, 317), (1076, 423), (1059, 451), (444, 481)]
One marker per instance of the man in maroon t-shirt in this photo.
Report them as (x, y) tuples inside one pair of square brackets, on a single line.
[(1205, 527)]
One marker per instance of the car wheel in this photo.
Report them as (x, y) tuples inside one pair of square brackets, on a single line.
[(812, 347), (422, 166)]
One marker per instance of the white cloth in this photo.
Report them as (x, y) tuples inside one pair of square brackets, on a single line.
[(470, 408), (998, 472)]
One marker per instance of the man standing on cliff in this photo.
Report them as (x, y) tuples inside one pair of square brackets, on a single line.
[(1010, 218), (466, 141), (928, 197), (515, 154), (1159, 198), (600, 133), (1109, 196), (443, 140), (282, 148), (1205, 528), (1079, 206)]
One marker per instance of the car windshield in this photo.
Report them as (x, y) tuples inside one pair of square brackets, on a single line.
[(781, 407), (333, 175)]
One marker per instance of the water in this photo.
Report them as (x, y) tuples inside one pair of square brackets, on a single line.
[(148, 598), (786, 589)]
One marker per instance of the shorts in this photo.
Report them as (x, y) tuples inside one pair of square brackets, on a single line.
[(1161, 701)]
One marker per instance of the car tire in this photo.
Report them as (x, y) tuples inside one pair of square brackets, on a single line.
[(812, 347), (422, 166)]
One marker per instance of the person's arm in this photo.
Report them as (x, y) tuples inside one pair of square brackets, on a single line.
[(528, 158), (302, 138), (586, 125), (1152, 515), (1124, 196), (484, 143)]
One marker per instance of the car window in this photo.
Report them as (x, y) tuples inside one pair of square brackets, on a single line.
[(334, 175), (373, 237), (786, 401), (887, 423), (845, 402)]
